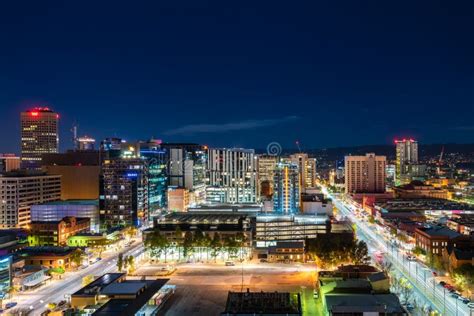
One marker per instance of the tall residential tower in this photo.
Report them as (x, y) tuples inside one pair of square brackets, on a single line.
[(365, 174)]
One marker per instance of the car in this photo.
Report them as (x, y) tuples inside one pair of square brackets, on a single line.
[(10, 305), (263, 260), (452, 290), (61, 303), (442, 283), (410, 307), (434, 273), (411, 258), (229, 263), (454, 295), (470, 305)]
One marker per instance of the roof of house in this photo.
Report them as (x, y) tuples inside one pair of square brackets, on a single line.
[(263, 303), (124, 288), (440, 231), (463, 254), (359, 303), (377, 277)]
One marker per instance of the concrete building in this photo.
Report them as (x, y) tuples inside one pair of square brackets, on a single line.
[(287, 251), (263, 303), (266, 166), (316, 204), (50, 257), (434, 239), (20, 190), (85, 143), (56, 233), (234, 173), (9, 162), (124, 192), (79, 170), (113, 295), (39, 135), (419, 190), (178, 199), (287, 189), (307, 169), (365, 174), (406, 154), (55, 211)]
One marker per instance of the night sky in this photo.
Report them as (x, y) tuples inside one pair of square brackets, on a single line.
[(328, 73)]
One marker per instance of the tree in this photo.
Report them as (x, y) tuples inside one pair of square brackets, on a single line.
[(157, 243), (188, 244), (87, 279), (77, 256), (406, 289), (371, 219), (178, 236), (129, 232), (417, 251), (131, 264), (216, 245), (120, 262), (99, 247), (435, 262), (360, 253)]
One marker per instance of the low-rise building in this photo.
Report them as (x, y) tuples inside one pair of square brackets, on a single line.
[(263, 303), (433, 239), (456, 257), (178, 199), (419, 190), (49, 257), (463, 224), (91, 239), (316, 204), (287, 251), (56, 233), (114, 295), (57, 210)]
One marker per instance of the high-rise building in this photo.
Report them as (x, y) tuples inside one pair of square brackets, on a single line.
[(407, 154), (365, 174), (157, 175), (307, 169), (85, 143), (39, 135), (266, 173), (178, 199), (9, 162), (234, 173), (20, 190), (286, 197), (123, 199)]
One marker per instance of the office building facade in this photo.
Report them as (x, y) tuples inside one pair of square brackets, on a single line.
[(307, 169), (234, 173), (9, 162), (123, 199), (19, 191), (365, 174), (266, 174), (39, 135)]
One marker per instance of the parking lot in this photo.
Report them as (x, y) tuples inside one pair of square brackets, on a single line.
[(202, 288)]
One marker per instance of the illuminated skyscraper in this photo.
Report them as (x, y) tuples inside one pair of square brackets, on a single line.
[(286, 196), (365, 174), (39, 135), (307, 169), (123, 199), (232, 174), (266, 173), (407, 154)]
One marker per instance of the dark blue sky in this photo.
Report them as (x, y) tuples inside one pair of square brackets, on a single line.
[(329, 73)]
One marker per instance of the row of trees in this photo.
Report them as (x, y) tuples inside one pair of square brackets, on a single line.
[(126, 263), (193, 243), (334, 250)]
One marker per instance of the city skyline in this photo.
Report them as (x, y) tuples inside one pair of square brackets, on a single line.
[(225, 76)]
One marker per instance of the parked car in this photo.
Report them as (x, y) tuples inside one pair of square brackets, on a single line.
[(470, 305), (434, 273), (442, 283), (410, 307), (10, 305), (463, 299), (263, 260), (411, 258), (454, 295)]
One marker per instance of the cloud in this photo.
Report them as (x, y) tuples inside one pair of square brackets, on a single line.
[(228, 127), (464, 128)]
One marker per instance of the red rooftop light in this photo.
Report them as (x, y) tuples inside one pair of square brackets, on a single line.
[(34, 113)]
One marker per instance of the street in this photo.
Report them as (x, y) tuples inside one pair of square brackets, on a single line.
[(56, 290), (426, 290)]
